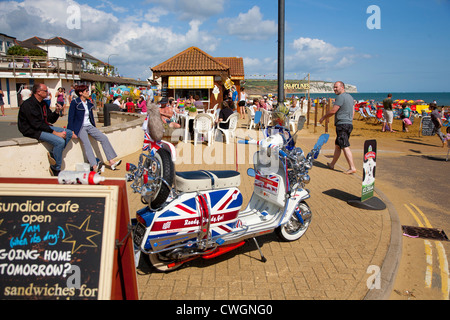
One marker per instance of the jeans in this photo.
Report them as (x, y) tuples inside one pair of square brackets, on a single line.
[(58, 143)]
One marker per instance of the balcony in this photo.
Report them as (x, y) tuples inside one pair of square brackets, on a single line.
[(39, 67)]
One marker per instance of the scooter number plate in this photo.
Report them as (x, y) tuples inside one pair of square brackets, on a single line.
[(139, 234)]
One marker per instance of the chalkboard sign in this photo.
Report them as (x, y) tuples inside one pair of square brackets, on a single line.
[(56, 241), (427, 126)]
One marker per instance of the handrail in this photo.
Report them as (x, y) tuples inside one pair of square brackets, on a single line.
[(39, 64)]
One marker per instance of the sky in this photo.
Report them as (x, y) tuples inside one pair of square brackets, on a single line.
[(376, 45)]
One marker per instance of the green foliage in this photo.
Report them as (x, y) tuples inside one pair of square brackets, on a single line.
[(20, 51), (17, 51)]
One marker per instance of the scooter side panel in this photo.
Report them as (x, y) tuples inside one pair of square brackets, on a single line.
[(180, 221)]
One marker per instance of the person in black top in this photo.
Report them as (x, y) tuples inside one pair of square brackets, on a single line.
[(224, 113), (35, 120)]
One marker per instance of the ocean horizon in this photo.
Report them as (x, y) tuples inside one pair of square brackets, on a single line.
[(442, 98)]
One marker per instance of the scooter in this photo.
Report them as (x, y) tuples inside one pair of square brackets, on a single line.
[(198, 213)]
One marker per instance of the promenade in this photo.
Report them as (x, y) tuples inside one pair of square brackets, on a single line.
[(343, 250), (340, 255)]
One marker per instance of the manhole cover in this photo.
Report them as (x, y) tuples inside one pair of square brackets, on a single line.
[(426, 233)]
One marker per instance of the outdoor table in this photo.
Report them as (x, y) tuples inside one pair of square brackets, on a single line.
[(185, 123)]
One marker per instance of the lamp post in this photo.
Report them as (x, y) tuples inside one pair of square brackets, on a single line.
[(112, 54), (281, 25)]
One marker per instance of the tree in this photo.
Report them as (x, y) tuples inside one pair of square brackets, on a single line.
[(17, 51)]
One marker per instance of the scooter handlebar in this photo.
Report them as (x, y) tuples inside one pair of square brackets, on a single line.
[(256, 142)]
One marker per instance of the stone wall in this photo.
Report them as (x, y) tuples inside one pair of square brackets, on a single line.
[(26, 157)]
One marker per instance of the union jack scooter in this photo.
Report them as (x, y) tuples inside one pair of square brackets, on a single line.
[(198, 213)]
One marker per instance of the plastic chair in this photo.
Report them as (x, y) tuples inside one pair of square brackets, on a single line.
[(251, 118), (266, 118), (203, 124), (232, 125), (213, 110), (257, 119), (294, 119)]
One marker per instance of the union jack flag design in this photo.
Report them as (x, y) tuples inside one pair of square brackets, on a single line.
[(185, 217), (268, 183), (151, 145)]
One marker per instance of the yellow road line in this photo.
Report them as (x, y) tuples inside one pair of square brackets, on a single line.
[(443, 261), (429, 272)]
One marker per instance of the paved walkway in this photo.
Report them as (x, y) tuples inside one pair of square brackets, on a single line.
[(344, 248)]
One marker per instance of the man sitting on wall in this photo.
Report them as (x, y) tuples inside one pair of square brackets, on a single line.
[(34, 121)]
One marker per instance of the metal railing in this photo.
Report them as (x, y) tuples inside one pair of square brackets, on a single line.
[(20, 64)]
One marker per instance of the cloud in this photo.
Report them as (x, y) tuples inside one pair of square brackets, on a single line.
[(191, 9), (317, 55), (249, 26), (137, 44)]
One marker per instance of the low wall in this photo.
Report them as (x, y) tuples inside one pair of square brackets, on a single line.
[(26, 157)]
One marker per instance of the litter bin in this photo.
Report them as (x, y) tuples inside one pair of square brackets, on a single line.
[(106, 109)]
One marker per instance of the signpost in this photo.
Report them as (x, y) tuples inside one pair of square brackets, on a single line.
[(59, 241), (427, 126), (368, 201)]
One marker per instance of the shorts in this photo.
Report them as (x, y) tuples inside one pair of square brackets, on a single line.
[(389, 116), (241, 103), (343, 135), (407, 121)]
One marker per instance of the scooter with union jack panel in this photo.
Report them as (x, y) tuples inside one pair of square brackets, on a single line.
[(198, 213)]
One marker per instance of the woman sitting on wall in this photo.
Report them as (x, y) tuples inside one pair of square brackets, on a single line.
[(81, 122)]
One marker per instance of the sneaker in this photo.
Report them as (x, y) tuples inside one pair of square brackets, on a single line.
[(116, 164), (51, 160), (100, 166)]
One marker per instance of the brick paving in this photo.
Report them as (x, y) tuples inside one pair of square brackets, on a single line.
[(330, 261)]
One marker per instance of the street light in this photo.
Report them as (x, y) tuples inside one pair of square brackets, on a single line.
[(281, 25), (112, 54)]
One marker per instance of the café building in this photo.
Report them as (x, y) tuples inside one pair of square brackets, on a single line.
[(193, 72)]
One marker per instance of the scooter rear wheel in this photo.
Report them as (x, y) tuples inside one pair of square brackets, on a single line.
[(294, 229), (161, 264)]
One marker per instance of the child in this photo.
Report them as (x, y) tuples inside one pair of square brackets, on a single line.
[(406, 113)]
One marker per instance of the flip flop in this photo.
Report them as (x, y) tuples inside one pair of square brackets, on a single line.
[(51, 160)]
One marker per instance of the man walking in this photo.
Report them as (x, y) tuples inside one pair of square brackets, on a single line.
[(388, 114), (343, 110), (34, 121)]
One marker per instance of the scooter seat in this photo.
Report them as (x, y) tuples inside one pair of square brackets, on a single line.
[(202, 180)]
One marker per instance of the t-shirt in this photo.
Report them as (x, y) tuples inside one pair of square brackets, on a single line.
[(406, 112), (345, 113), (387, 104), (434, 117), (224, 114)]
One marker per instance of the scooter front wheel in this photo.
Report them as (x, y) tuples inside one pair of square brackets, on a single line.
[(295, 228)]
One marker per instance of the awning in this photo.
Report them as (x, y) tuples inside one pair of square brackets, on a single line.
[(191, 82)]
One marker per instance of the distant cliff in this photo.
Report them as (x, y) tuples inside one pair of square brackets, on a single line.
[(327, 87), (263, 87)]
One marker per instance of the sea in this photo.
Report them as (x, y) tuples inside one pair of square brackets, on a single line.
[(441, 98)]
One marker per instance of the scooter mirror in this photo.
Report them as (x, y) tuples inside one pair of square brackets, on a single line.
[(251, 172), (323, 139), (301, 123)]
